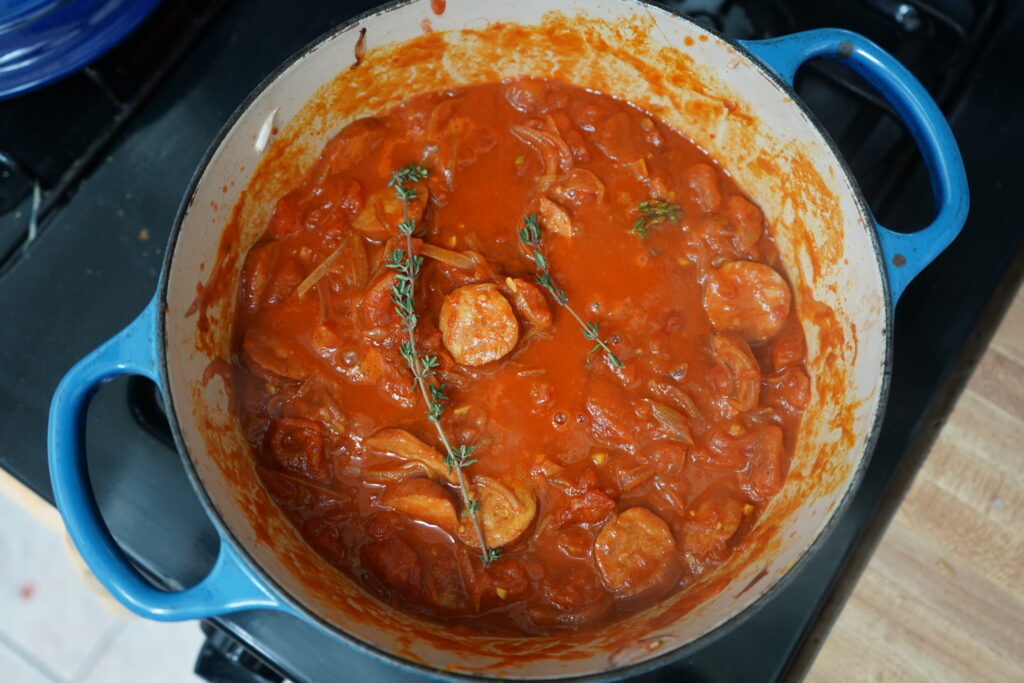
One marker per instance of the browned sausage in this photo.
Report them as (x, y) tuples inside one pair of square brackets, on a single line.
[(554, 218), (383, 212), (477, 324), (634, 552), (703, 180), (265, 349), (530, 302), (736, 375), (506, 511), (767, 471), (745, 218), (297, 445), (747, 297), (712, 522)]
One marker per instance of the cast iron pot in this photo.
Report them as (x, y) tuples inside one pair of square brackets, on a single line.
[(732, 98)]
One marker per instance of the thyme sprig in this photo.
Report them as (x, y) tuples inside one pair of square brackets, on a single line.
[(530, 236), (653, 212), (407, 267)]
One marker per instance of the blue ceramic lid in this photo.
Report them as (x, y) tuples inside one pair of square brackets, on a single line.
[(42, 40)]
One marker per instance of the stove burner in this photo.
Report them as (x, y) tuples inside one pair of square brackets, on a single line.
[(936, 39)]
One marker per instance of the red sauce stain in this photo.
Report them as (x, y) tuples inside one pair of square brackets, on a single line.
[(27, 591), (688, 41), (219, 367), (438, 6), (426, 26), (198, 303), (703, 38), (760, 575)]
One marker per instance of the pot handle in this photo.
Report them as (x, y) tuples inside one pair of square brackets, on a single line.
[(230, 586), (905, 255)]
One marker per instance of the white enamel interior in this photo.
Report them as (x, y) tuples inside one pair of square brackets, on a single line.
[(850, 283)]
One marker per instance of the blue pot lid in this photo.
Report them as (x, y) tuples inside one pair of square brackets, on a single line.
[(43, 40)]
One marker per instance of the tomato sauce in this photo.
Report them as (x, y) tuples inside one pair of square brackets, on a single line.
[(605, 485)]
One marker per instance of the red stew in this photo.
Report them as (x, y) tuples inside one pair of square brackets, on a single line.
[(606, 488)]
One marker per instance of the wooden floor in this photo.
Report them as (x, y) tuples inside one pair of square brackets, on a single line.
[(942, 598)]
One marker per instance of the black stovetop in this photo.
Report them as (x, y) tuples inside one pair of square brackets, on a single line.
[(104, 216)]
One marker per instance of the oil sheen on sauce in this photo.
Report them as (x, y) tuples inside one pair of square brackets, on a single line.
[(606, 488)]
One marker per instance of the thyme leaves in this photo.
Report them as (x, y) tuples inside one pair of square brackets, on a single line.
[(530, 236), (407, 266)]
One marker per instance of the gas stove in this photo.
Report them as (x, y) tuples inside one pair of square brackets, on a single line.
[(92, 169)]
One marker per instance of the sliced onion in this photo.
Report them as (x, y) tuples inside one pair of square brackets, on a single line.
[(403, 444), (639, 169), (301, 481), (680, 397), (733, 354), (553, 149), (324, 267), (359, 271), (672, 421), (448, 257), (395, 472), (564, 150)]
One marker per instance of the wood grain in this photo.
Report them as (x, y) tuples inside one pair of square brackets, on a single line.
[(942, 599)]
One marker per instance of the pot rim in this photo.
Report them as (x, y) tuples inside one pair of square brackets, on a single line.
[(294, 605)]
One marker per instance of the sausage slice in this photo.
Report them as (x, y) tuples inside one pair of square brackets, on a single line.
[(749, 298), (635, 552), (505, 513), (477, 324)]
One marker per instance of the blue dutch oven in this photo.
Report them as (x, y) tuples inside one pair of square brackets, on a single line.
[(43, 40), (835, 253)]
